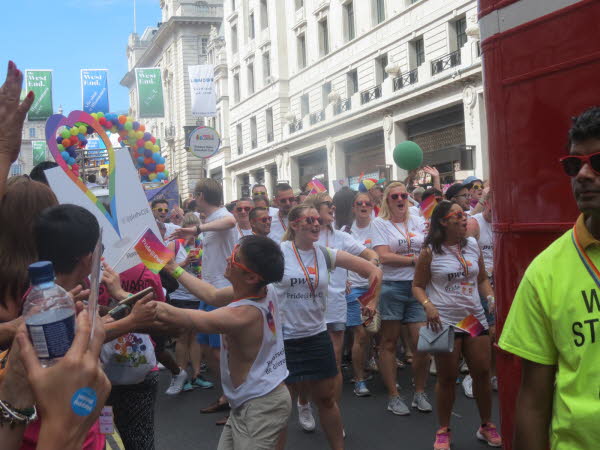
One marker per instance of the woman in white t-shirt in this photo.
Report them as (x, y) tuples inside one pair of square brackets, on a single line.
[(302, 295), (398, 237), (449, 278)]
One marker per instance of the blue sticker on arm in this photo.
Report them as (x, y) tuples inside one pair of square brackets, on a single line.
[(83, 401)]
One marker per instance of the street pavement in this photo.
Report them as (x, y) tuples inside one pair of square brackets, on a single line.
[(368, 425)]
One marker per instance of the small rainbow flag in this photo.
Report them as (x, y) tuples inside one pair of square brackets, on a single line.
[(315, 186), (153, 252), (427, 206), (471, 325)]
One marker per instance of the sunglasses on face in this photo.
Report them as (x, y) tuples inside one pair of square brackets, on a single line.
[(363, 203), (287, 200), (463, 195), (310, 220), (403, 196), (239, 265), (458, 214), (478, 187), (161, 210), (266, 219), (256, 194), (438, 198), (572, 164), (244, 208), (328, 204)]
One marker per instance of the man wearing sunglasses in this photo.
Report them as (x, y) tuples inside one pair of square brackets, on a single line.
[(459, 193), (260, 220), (160, 210), (259, 189), (553, 321), (241, 212), (285, 200), (475, 187)]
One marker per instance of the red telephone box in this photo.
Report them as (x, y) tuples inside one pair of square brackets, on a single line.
[(541, 64)]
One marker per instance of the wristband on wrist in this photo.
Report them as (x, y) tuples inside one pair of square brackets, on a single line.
[(12, 416), (178, 272)]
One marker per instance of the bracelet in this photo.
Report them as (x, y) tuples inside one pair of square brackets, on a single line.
[(178, 272), (13, 416), (425, 302)]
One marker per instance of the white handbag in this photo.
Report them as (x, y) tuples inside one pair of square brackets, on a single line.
[(436, 342)]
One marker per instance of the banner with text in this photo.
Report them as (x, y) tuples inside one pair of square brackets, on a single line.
[(40, 82), (202, 87), (150, 92), (94, 90), (40, 151)]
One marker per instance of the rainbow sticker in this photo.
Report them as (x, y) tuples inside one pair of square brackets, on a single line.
[(471, 325), (153, 252)]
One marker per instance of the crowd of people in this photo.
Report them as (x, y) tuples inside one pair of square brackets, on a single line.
[(265, 298)]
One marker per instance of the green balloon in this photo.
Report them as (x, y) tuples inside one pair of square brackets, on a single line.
[(408, 155)]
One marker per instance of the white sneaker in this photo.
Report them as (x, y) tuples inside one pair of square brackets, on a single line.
[(177, 382), (467, 384), (432, 368), (161, 367), (463, 367), (495, 383), (305, 417)]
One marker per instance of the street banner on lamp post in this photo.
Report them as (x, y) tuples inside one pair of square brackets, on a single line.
[(94, 90), (40, 82), (40, 151), (202, 88), (150, 92)]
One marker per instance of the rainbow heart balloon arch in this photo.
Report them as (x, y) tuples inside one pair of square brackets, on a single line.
[(144, 149)]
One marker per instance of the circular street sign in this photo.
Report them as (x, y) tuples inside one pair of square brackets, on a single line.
[(204, 142)]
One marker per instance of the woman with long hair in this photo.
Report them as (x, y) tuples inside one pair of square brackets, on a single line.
[(302, 295), (398, 239), (343, 201), (449, 278)]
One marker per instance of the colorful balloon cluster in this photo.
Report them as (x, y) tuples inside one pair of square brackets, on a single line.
[(145, 152)]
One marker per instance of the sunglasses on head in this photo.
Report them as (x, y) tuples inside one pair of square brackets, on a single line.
[(310, 220), (243, 208), (256, 194), (161, 210), (404, 196), (363, 203), (572, 164), (239, 265), (287, 200), (328, 204), (458, 214)]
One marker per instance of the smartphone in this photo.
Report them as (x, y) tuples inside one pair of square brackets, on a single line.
[(125, 305)]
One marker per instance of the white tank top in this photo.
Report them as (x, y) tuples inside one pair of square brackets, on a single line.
[(269, 368), (486, 242), (452, 290)]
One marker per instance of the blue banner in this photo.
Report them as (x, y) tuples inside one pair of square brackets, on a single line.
[(168, 192), (94, 90)]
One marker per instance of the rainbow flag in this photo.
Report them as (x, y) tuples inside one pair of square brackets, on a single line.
[(153, 252), (316, 186), (471, 325), (427, 206)]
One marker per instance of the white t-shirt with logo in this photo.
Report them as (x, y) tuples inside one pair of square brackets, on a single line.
[(218, 246), (397, 236), (336, 297), (302, 314), (365, 237), (278, 225)]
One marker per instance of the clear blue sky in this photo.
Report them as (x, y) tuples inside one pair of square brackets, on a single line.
[(69, 35)]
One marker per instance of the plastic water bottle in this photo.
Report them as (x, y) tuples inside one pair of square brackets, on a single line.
[(49, 314)]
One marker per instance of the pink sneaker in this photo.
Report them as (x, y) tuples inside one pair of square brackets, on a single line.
[(489, 434), (442, 439)]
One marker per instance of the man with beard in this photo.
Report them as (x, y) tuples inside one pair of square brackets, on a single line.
[(285, 200)]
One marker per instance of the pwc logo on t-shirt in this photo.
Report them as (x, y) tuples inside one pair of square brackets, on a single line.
[(312, 271)]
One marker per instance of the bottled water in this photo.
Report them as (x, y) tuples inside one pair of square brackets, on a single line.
[(49, 314)]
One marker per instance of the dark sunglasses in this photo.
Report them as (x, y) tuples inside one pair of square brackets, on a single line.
[(363, 203), (310, 220), (243, 208), (267, 219), (328, 204), (572, 164), (404, 196), (287, 200)]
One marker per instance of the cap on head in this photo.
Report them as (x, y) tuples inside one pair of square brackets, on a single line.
[(454, 189)]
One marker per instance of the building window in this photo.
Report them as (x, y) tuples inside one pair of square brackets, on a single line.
[(299, 4), (460, 27), (264, 14), (323, 37), (352, 82), (380, 73), (301, 49), (236, 88), (266, 60), (234, 39), (379, 11), (250, 79), (253, 139), (32, 132), (304, 105), (16, 169), (325, 91), (349, 21), (203, 46), (269, 119), (240, 139), (251, 32), (417, 53)]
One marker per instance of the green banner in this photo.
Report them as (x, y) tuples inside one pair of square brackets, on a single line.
[(150, 93), (40, 82), (40, 151)]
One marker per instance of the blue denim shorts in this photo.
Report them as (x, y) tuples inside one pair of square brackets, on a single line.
[(397, 303), (354, 319), (212, 340)]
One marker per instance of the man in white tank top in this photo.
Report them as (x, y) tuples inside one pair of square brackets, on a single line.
[(253, 365)]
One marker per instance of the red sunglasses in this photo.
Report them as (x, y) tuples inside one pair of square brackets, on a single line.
[(363, 203), (310, 220), (459, 215), (572, 164), (404, 196), (233, 262), (244, 208)]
